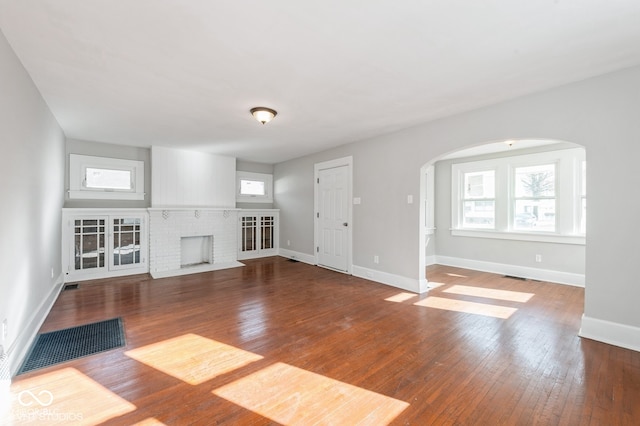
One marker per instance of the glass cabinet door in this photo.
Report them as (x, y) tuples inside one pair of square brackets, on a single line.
[(258, 234), (89, 243), (126, 234), (248, 234), (267, 226)]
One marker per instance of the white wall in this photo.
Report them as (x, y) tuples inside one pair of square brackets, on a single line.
[(600, 114), (193, 179), (32, 167)]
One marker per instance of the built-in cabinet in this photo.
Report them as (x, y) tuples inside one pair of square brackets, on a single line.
[(98, 243), (257, 233)]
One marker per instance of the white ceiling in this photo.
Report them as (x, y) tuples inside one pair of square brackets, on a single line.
[(185, 73)]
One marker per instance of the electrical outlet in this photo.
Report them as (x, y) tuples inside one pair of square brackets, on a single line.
[(52, 273), (376, 259), (288, 243), (538, 258)]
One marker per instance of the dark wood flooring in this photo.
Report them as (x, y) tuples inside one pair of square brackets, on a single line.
[(278, 342)]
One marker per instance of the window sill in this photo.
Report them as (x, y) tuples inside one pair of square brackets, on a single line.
[(520, 236), (105, 195), (249, 199)]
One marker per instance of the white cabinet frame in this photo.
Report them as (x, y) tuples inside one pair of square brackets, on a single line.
[(105, 240)]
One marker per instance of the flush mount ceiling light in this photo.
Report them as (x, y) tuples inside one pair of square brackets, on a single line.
[(263, 114)]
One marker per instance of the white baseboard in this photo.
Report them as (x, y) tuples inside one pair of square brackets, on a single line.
[(18, 350), (514, 270), (399, 281), (612, 333), (88, 274), (430, 260), (302, 257)]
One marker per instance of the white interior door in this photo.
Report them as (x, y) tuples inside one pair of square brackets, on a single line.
[(333, 218)]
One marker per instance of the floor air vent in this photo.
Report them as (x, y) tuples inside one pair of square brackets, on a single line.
[(71, 287)]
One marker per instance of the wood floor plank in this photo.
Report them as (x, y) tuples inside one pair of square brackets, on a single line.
[(278, 342)]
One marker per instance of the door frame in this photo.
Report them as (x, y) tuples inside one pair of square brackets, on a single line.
[(338, 162)]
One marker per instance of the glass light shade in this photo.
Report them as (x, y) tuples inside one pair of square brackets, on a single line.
[(262, 114)]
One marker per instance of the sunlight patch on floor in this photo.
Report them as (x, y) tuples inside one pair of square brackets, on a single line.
[(467, 307), (193, 359), (456, 275), (64, 396), (401, 297), (149, 422), (290, 395), (434, 284), (513, 296)]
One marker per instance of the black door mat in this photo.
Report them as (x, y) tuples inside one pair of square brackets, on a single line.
[(75, 342)]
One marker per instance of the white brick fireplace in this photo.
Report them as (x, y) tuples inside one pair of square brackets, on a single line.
[(172, 228)]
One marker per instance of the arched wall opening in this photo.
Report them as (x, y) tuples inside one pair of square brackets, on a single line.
[(535, 253)]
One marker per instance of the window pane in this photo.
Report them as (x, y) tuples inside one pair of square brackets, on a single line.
[(535, 215), (535, 181), (107, 178), (479, 214), (251, 187), (479, 184)]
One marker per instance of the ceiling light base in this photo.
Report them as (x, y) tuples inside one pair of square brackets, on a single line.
[(263, 114)]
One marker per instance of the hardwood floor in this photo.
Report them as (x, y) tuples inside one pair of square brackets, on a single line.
[(278, 342)]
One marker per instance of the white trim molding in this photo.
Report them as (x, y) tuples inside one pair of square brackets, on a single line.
[(296, 255), (612, 333), (399, 281), (25, 338), (558, 277)]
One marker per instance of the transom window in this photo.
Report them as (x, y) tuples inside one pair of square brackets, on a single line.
[(254, 187), (105, 178), (538, 196), (250, 187), (96, 178)]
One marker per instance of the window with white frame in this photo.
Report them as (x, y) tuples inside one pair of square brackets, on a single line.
[(105, 178), (534, 200), (254, 187), (478, 199), (529, 197)]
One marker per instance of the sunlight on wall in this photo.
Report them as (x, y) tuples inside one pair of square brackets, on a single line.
[(191, 358), (513, 296), (64, 396), (290, 395), (467, 307)]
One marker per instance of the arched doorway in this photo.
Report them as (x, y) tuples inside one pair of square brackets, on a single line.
[(535, 225)]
